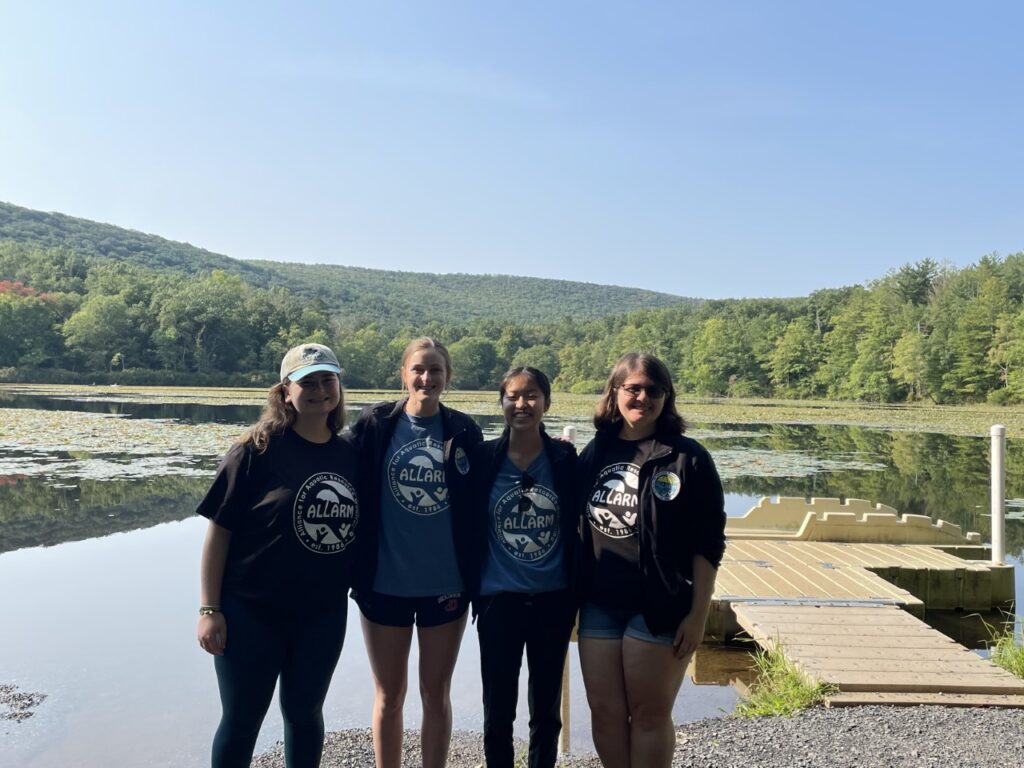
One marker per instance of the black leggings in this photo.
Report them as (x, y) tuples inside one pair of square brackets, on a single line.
[(300, 649), (507, 623)]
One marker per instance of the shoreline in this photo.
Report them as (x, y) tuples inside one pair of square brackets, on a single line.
[(843, 737)]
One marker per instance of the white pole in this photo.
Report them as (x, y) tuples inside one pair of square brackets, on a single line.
[(998, 493), (564, 738)]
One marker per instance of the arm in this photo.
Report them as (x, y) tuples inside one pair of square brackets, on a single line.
[(691, 629), (212, 631)]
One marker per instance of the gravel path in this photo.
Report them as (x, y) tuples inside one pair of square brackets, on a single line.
[(845, 737)]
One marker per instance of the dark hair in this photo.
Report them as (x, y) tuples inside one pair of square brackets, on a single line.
[(538, 376), (278, 415), (607, 416), (427, 343)]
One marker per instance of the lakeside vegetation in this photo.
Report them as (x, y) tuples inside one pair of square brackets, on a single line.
[(780, 688), (966, 420), (83, 302)]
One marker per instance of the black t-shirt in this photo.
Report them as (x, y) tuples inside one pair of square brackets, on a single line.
[(293, 513), (613, 507)]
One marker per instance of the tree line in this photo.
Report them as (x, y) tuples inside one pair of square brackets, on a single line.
[(923, 332)]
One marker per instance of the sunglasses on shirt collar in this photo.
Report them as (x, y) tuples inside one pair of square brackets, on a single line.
[(526, 483)]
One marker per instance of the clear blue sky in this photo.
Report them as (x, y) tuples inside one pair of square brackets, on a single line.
[(704, 149)]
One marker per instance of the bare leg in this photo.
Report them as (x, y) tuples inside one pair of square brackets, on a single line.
[(653, 675), (603, 677), (388, 651), (439, 648)]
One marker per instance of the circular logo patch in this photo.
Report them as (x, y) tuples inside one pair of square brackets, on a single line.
[(326, 513), (613, 504), (416, 477), (667, 485), (526, 522)]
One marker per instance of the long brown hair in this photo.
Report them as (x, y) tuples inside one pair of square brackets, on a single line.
[(278, 416), (607, 416)]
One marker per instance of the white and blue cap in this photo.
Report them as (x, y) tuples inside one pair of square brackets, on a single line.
[(305, 359)]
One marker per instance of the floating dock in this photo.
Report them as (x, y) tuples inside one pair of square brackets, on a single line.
[(842, 587)]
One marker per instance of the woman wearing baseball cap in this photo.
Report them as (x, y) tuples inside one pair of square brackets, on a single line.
[(277, 561)]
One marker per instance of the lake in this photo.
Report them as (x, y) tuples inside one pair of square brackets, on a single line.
[(99, 561)]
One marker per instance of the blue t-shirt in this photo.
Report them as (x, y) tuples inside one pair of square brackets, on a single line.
[(524, 542), (417, 547)]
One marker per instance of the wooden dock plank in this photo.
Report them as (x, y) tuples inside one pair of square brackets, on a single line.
[(911, 575), (919, 699), (880, 649)]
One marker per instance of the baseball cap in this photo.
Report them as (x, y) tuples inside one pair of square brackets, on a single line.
[(305, 359)]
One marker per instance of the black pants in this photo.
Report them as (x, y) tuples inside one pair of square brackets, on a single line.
[(261, 647), (507, 622)]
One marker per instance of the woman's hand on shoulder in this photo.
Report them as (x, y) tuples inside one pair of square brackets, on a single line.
[(212, 633)]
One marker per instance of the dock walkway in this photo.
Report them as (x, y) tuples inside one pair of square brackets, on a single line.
[(879, 654), (849, 614)]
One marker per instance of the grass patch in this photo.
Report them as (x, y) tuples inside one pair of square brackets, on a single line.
[(1004, 650), (780, 688)]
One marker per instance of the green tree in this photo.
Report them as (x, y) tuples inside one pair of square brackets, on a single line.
[(101, 328), (795, 360), (972, 374), (27, 334), (473, 359)]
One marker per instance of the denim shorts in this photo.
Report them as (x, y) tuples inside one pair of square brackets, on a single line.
[(603, 623), (394, 611)]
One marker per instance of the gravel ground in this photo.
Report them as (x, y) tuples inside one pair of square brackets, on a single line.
[(845, 737)]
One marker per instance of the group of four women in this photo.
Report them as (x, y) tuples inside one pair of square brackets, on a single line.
[(425, 520)]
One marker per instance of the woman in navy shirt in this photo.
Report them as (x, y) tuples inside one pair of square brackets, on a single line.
[(523, 596)]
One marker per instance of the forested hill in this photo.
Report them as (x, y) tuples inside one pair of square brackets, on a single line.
[(358, 296), (82, 309), (91, 239), (397, 298)]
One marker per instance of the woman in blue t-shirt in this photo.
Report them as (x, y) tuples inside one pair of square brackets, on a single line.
[(523, 597), (277, 561), (415, 455)]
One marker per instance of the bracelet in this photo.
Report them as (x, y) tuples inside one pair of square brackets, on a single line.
[(206, 610)]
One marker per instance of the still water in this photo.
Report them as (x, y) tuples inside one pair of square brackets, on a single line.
[(99, 573)]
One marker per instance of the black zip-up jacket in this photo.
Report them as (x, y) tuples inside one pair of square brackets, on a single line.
[(487, 460), (672, 530), (372, 433)]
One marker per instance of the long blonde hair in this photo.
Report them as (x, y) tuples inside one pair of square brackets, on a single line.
[(278, 416)]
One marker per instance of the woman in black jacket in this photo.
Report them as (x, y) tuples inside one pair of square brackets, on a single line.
[(653, 538), (525, 534), (415, 458)]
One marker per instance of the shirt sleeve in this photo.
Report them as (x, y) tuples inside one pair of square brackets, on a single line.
[(228, 496)]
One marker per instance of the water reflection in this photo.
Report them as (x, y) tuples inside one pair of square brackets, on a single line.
[(194, 413), (105, 627), (942, 476)]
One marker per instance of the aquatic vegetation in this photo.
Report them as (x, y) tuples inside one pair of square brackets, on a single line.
[(753, 462), (780, 688), (1004, 649), (68, 431), (969, 420)]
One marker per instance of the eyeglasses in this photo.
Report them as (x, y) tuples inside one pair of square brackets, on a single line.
[(653, 391), (525, 484)]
